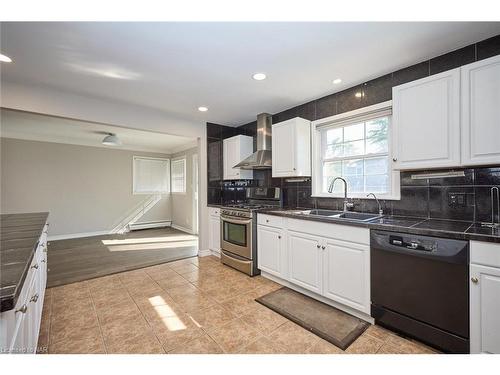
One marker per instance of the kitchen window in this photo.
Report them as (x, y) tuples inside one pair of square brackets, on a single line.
[(179, 176), (355, 146), (151, 175)]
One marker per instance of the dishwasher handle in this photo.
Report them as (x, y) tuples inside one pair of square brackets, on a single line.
[(435, 248)]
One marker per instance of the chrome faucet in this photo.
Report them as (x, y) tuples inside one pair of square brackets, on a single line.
[(380, 211), (347, 202)]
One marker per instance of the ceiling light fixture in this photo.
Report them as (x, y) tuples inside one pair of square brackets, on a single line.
[(259, 76), (358, 95), (337, 81), (5, 58), (202, 109), (111, 140)]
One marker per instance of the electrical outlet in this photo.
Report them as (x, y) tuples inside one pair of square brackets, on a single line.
[(457, 200)]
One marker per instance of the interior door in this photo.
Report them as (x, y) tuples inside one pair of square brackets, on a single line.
[(304, 254), (484, 308)]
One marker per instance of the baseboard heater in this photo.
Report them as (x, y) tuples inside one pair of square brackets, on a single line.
[(150, 224)]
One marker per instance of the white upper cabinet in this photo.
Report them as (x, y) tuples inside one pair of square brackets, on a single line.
[(426, 122), (235, 150), (481, 112), (291, 148)]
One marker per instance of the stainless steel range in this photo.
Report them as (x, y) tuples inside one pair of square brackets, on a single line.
[(239, 228)]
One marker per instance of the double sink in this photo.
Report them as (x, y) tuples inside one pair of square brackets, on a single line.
[(346, 215)]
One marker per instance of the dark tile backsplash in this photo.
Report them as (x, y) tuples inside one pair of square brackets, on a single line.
[(420, 198)]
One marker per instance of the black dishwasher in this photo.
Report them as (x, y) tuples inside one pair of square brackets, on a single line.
[(420, 287)]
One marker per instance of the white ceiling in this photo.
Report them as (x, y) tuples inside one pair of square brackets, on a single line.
[(176, 67), (36, 127)]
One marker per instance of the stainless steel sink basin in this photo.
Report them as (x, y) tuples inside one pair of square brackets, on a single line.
[(348, 215)]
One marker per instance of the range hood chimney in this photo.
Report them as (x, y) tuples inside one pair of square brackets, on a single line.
[(260, 159)]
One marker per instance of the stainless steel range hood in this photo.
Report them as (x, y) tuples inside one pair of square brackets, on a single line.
[(260, 159)]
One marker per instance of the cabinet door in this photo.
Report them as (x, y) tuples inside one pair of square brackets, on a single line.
[(270, 257), (284, 150), (304, 255), (484, 309), (231, 158), (214, 234), (481, 112), (426, 122), (346, 274)]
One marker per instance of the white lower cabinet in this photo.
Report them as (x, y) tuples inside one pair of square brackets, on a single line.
[(313, 259), (346, 273), (485, 297), (271, 257), (20, 326), (305, 258), (214, 230)]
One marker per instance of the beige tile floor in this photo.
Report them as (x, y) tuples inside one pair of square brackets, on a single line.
[(194, 305)]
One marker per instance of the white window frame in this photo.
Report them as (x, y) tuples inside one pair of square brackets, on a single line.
[(134, 192), (344, 119), (180, 158)]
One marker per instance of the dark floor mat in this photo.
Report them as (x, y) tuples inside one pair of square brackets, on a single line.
[(325, 321)]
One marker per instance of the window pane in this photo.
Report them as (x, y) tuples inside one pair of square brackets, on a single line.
[(330, 171), (354, 184), (376, 134), (377, 183), (376, 166), (354, 148), (333, 151), (334, 136), (353, 173), (353, 167), (354, 132)]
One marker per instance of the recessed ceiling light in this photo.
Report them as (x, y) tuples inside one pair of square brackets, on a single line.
[(259, 76), (337, 81), (4, 58), (111, 140), (202, 109)]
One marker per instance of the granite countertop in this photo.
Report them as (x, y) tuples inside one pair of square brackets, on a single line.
[(461, 230), (19, 235)]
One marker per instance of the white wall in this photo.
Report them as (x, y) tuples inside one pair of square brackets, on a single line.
[(182, 204), (85, 189), (52, 102)]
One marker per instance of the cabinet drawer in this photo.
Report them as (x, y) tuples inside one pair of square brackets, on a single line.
[(270, 220), (336, 231), (485, 253)]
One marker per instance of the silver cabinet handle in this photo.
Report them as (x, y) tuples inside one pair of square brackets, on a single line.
[(22, 309), (323, 247), (35, 266), (34, 298), (267, 221), (294, 169), (474, 280), (318, 246), (394, 159), (279, 237), (43, 260)]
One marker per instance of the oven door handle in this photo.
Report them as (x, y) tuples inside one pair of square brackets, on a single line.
[(235, 221)]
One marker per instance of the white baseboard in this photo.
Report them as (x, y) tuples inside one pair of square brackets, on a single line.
[(204, 253), (183, 229), (76, 235), (335, 304), (150, 224), (208, 252)]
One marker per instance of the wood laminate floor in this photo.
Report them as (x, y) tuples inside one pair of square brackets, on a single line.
[(86, 258)]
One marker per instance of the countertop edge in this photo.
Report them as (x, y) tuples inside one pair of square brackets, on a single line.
[(389, 227)]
